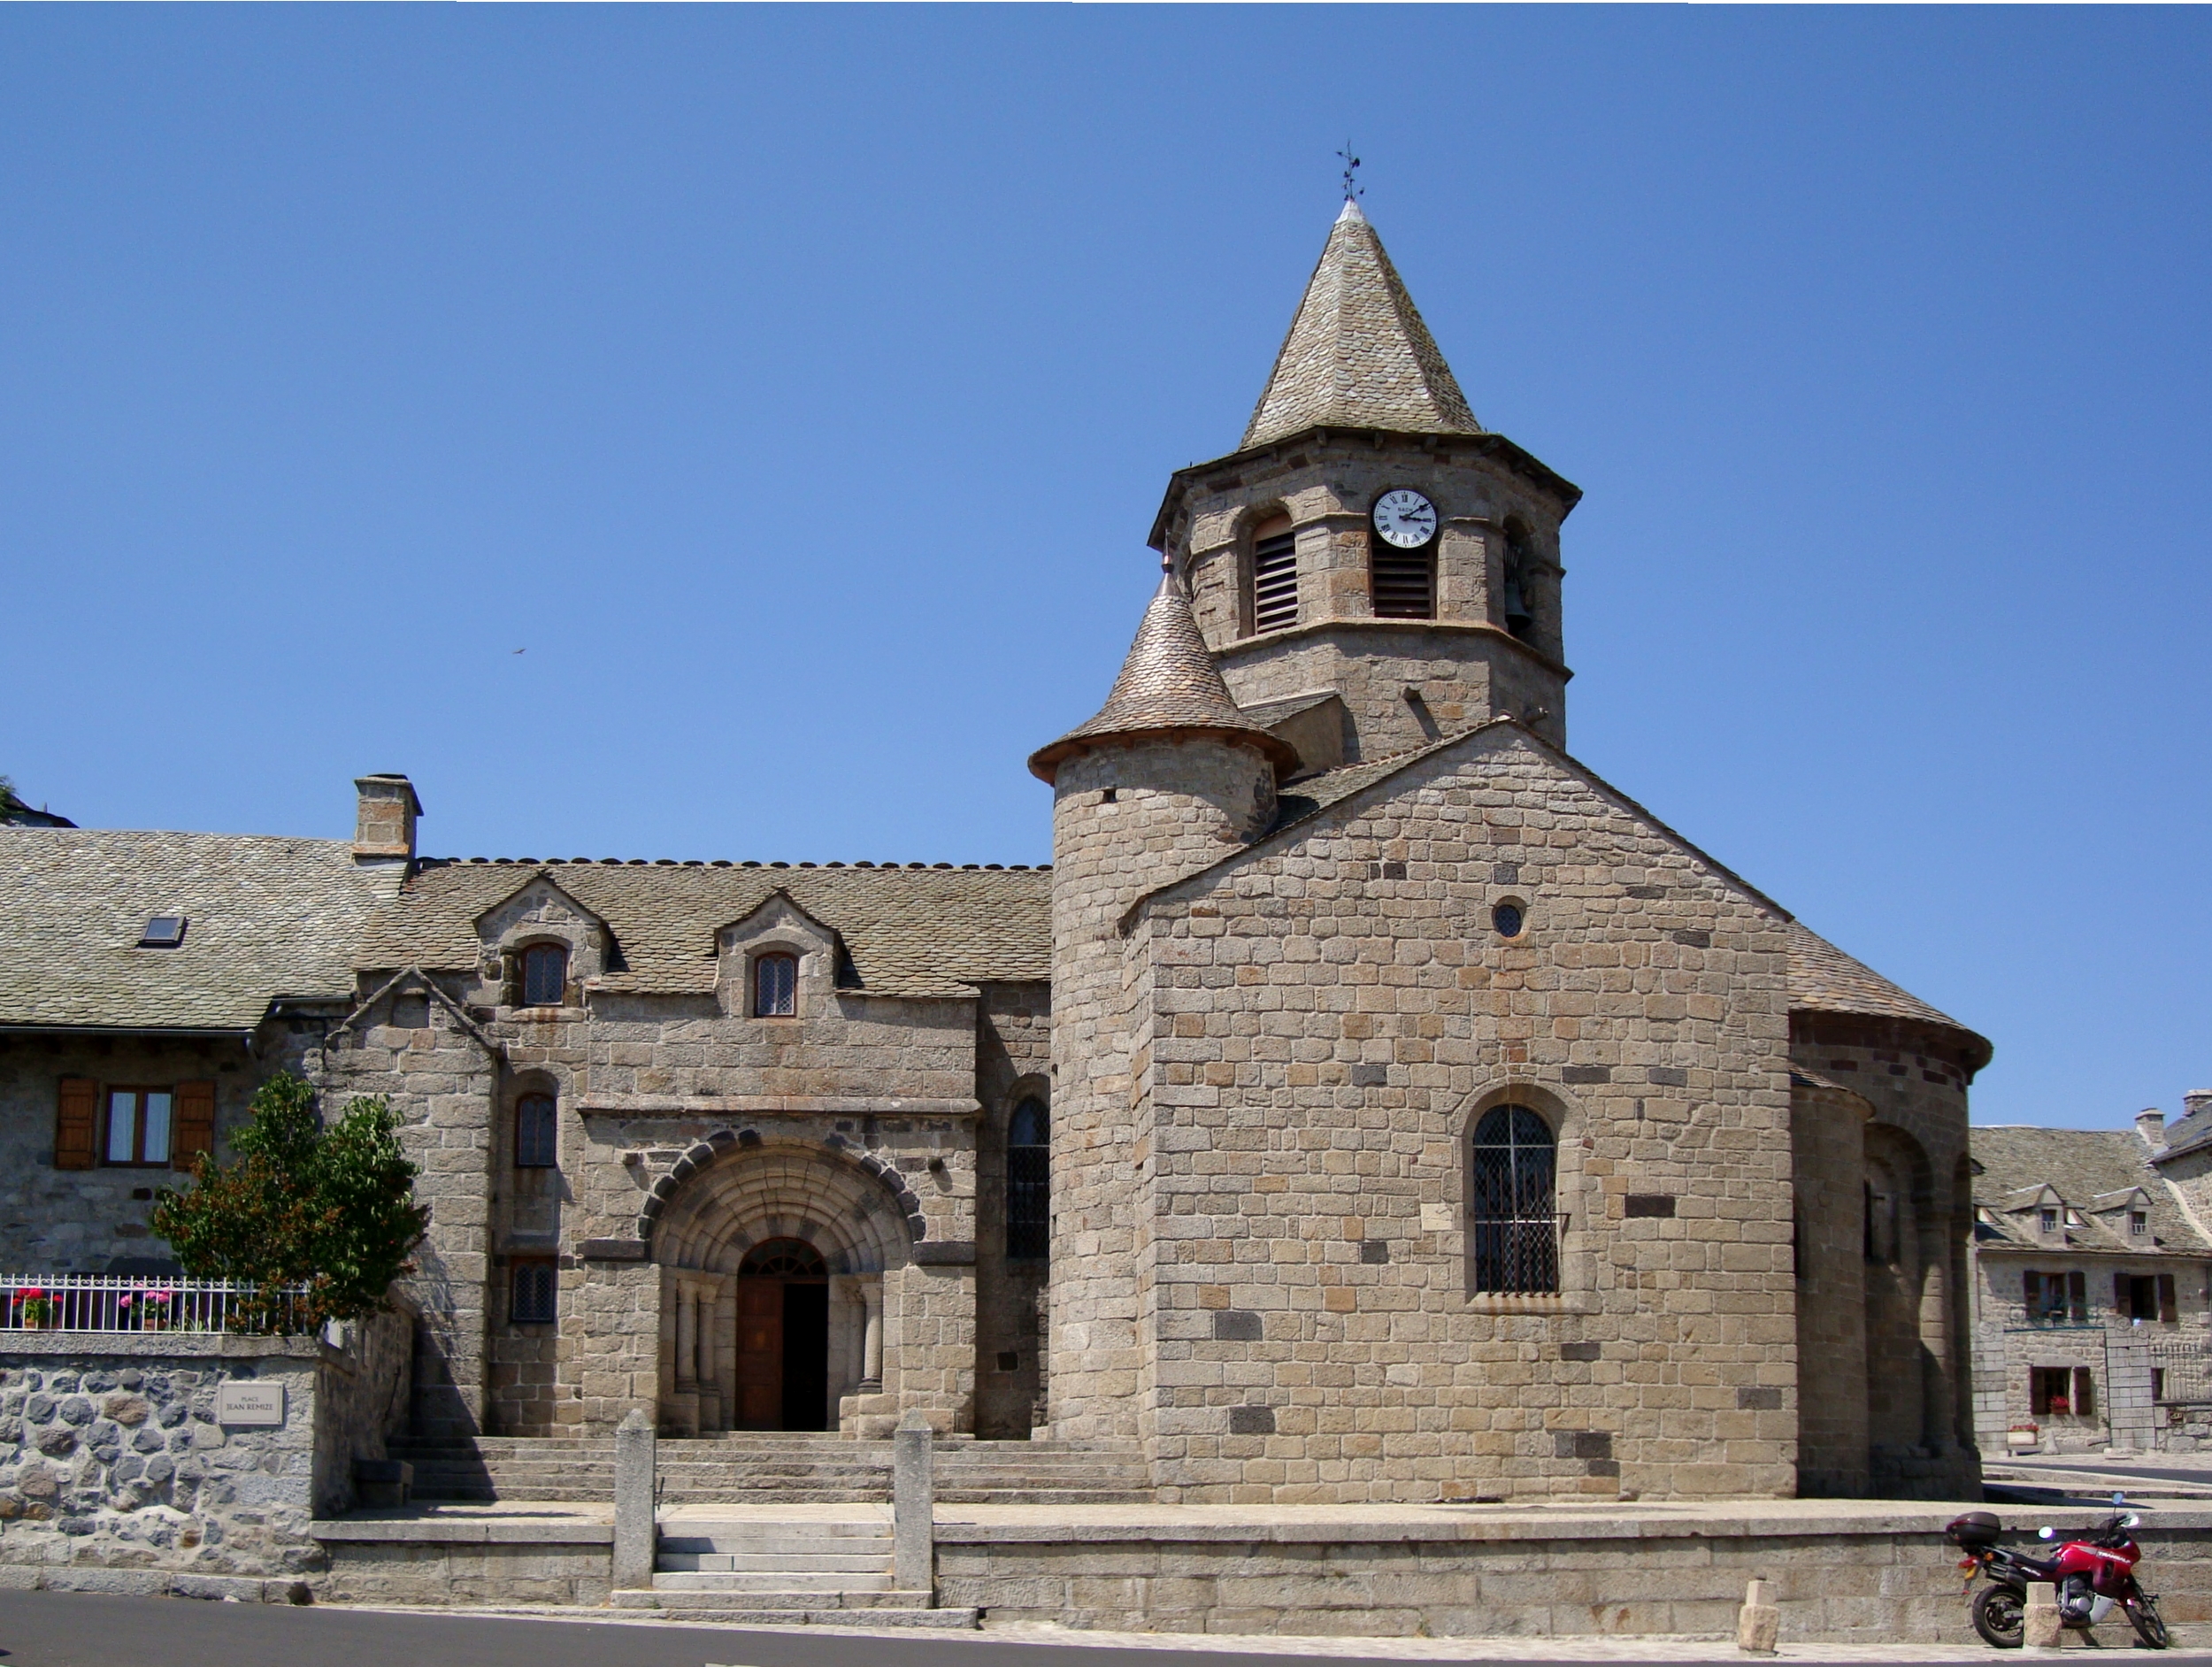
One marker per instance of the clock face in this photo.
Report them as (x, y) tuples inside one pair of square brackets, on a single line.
[(1406, 518)]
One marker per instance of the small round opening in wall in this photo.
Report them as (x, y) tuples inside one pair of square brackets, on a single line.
[(1508, 919)]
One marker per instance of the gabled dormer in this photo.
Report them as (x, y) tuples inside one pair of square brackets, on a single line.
[(541, 947), (778, 965), (2126, 1216), (2040, 1215)]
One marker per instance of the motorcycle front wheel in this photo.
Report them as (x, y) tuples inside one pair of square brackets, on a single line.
[(1997, 1615), (2142, 1611)]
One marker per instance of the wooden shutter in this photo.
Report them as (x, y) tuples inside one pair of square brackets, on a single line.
[(2166, 1312), (2078, 1295), (76, 1123), (194, 1130), (2122, 1296), (2031, 1293), (2085, 1393)]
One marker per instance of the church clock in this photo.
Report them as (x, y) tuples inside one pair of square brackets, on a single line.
[(1405, 518)]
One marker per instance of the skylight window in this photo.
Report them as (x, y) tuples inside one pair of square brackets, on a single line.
[(163, 931)]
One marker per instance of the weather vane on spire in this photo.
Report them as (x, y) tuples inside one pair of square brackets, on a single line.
[(1352, 189)]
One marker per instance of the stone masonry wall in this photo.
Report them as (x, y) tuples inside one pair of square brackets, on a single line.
[(1332, 1011), (1175, 806), (1827, 1134), (1013, 1063)]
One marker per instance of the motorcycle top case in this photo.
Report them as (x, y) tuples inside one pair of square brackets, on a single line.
[(1976, 1531)]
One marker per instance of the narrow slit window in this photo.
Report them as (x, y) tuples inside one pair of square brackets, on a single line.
[(1274, 576), (776, 987), (536, 1133), (544, 975), (1028, 1183)]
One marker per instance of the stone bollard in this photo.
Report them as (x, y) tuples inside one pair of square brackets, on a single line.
[(2041, 1626), (1758, 1624), (913, 1507), (634, 1536)]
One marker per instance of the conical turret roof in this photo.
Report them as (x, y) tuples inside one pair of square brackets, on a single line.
[(1169, 685), (1357, 355)]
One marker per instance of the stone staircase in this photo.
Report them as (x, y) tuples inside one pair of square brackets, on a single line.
[(775, 1468), (816, 1566)]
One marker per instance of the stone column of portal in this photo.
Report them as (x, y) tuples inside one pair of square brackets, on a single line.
[(872, 1337), (686, 1335), (703, 1372)]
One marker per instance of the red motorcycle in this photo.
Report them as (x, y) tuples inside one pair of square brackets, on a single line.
[(2093, 1573)]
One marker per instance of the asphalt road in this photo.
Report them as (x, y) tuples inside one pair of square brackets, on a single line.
[(2120, 1470)]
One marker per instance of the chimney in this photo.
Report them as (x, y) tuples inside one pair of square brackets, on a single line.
[(2196, 1101), (2150, 1126), (384, 829)]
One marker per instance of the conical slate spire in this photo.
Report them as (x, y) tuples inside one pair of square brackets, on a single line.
[(1357, 355), (1169, 684)]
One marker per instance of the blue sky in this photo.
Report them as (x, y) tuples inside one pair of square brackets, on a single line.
[(797, 388)]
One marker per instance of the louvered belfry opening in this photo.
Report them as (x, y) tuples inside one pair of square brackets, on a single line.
[(1274, 575), (1401, 583)]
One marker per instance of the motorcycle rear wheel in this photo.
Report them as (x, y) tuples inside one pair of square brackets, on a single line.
[(2142, 1611), (1998, 1613)]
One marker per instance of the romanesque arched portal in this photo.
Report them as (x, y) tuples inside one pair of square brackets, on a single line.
[(771, 1260)]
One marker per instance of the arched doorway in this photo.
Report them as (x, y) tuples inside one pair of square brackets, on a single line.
[(783, 1337)]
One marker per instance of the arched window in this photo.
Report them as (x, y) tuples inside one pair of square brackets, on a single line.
[(776, 987), (1274, 575), (1517, 599), (544, 974), (1513, 1216), (536, 1143), (1028, 1182)]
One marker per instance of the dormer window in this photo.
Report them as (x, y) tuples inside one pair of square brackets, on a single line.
[(2139, 1222), (776, 987), (163, 931), (1274, 575), (544, 974), (2049, 1220)]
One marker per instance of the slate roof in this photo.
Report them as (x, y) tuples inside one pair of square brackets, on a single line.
[(2089, 1170), (911, 932), (1169, 684), (1357, 355), (267, 918), (2193, 1129), (1824, 980)]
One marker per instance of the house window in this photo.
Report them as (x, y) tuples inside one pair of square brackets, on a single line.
[(534, 1295), (2139, 1222), (163, 931), (544, 975), (2062, 1392), (2055, 1298), (1515, 598), (1512, 1215), (535, 1139), (776, 987), (2144, 1296), (1274, 575), (2050, 1220), (137, 1127), (1028, 1182)]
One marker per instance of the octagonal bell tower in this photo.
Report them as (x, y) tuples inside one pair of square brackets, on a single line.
[(1353, 641)]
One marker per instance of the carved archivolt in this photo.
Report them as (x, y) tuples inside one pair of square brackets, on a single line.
[(729, 1195)]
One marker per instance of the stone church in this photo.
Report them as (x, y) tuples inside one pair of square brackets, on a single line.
[(1368, 1103)]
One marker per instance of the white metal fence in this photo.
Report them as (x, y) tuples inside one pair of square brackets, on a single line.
[(116, 1302)]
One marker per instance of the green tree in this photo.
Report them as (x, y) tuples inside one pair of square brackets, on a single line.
[(331, 1211)]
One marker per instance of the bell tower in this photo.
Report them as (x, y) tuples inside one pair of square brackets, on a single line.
[(1372, 569)]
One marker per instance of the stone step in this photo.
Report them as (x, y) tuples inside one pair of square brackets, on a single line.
[(687, 1600), (783, 1580), (871, 1616), (761, 1563)]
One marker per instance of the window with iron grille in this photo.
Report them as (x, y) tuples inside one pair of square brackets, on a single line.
[(1028, 1182), (1513, 1225), (776, 987), (1401, 583), (535, 1131), (534, 1295), (1274, 577), (544, 975)]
